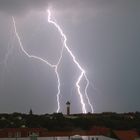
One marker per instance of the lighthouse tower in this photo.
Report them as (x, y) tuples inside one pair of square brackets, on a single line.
[(68, 107)]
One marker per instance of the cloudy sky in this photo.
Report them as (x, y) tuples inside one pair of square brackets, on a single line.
[(104, 35)]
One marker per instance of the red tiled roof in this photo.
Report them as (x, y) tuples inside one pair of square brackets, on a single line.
[(100, 131), (24, 132), (126, 134)]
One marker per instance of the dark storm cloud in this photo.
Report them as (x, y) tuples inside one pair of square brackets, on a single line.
[(72, 10), (63, 7), (21, 6), (104, 36)]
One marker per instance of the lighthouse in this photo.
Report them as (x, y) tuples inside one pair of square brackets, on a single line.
[(68, 107)]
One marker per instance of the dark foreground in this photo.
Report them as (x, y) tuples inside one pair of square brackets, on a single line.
[(60, 122)]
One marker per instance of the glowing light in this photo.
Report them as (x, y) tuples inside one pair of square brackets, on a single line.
[(82, 74), (42, 60)]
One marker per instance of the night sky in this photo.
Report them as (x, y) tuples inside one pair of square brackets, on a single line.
[(104, 35)]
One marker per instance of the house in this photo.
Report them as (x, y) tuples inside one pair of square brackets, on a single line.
[(99, 131), (22, 132), (126, 134)]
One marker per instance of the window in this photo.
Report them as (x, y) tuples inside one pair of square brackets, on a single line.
[(9, 134)]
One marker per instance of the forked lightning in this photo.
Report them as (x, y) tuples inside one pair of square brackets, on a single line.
[(82, 74), (55, 67), (42, 60)]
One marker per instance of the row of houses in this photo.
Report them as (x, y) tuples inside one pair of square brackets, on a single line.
[(22, 132), (95, 131)]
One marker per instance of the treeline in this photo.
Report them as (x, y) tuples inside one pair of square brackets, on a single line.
[(58, 121)]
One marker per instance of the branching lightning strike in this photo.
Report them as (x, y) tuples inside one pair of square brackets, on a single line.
[(82, 74), (55, 67), (42, 60)]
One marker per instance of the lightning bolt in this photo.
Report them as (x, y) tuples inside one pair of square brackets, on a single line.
[(9, 50), (82, 74), (55, 67)]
